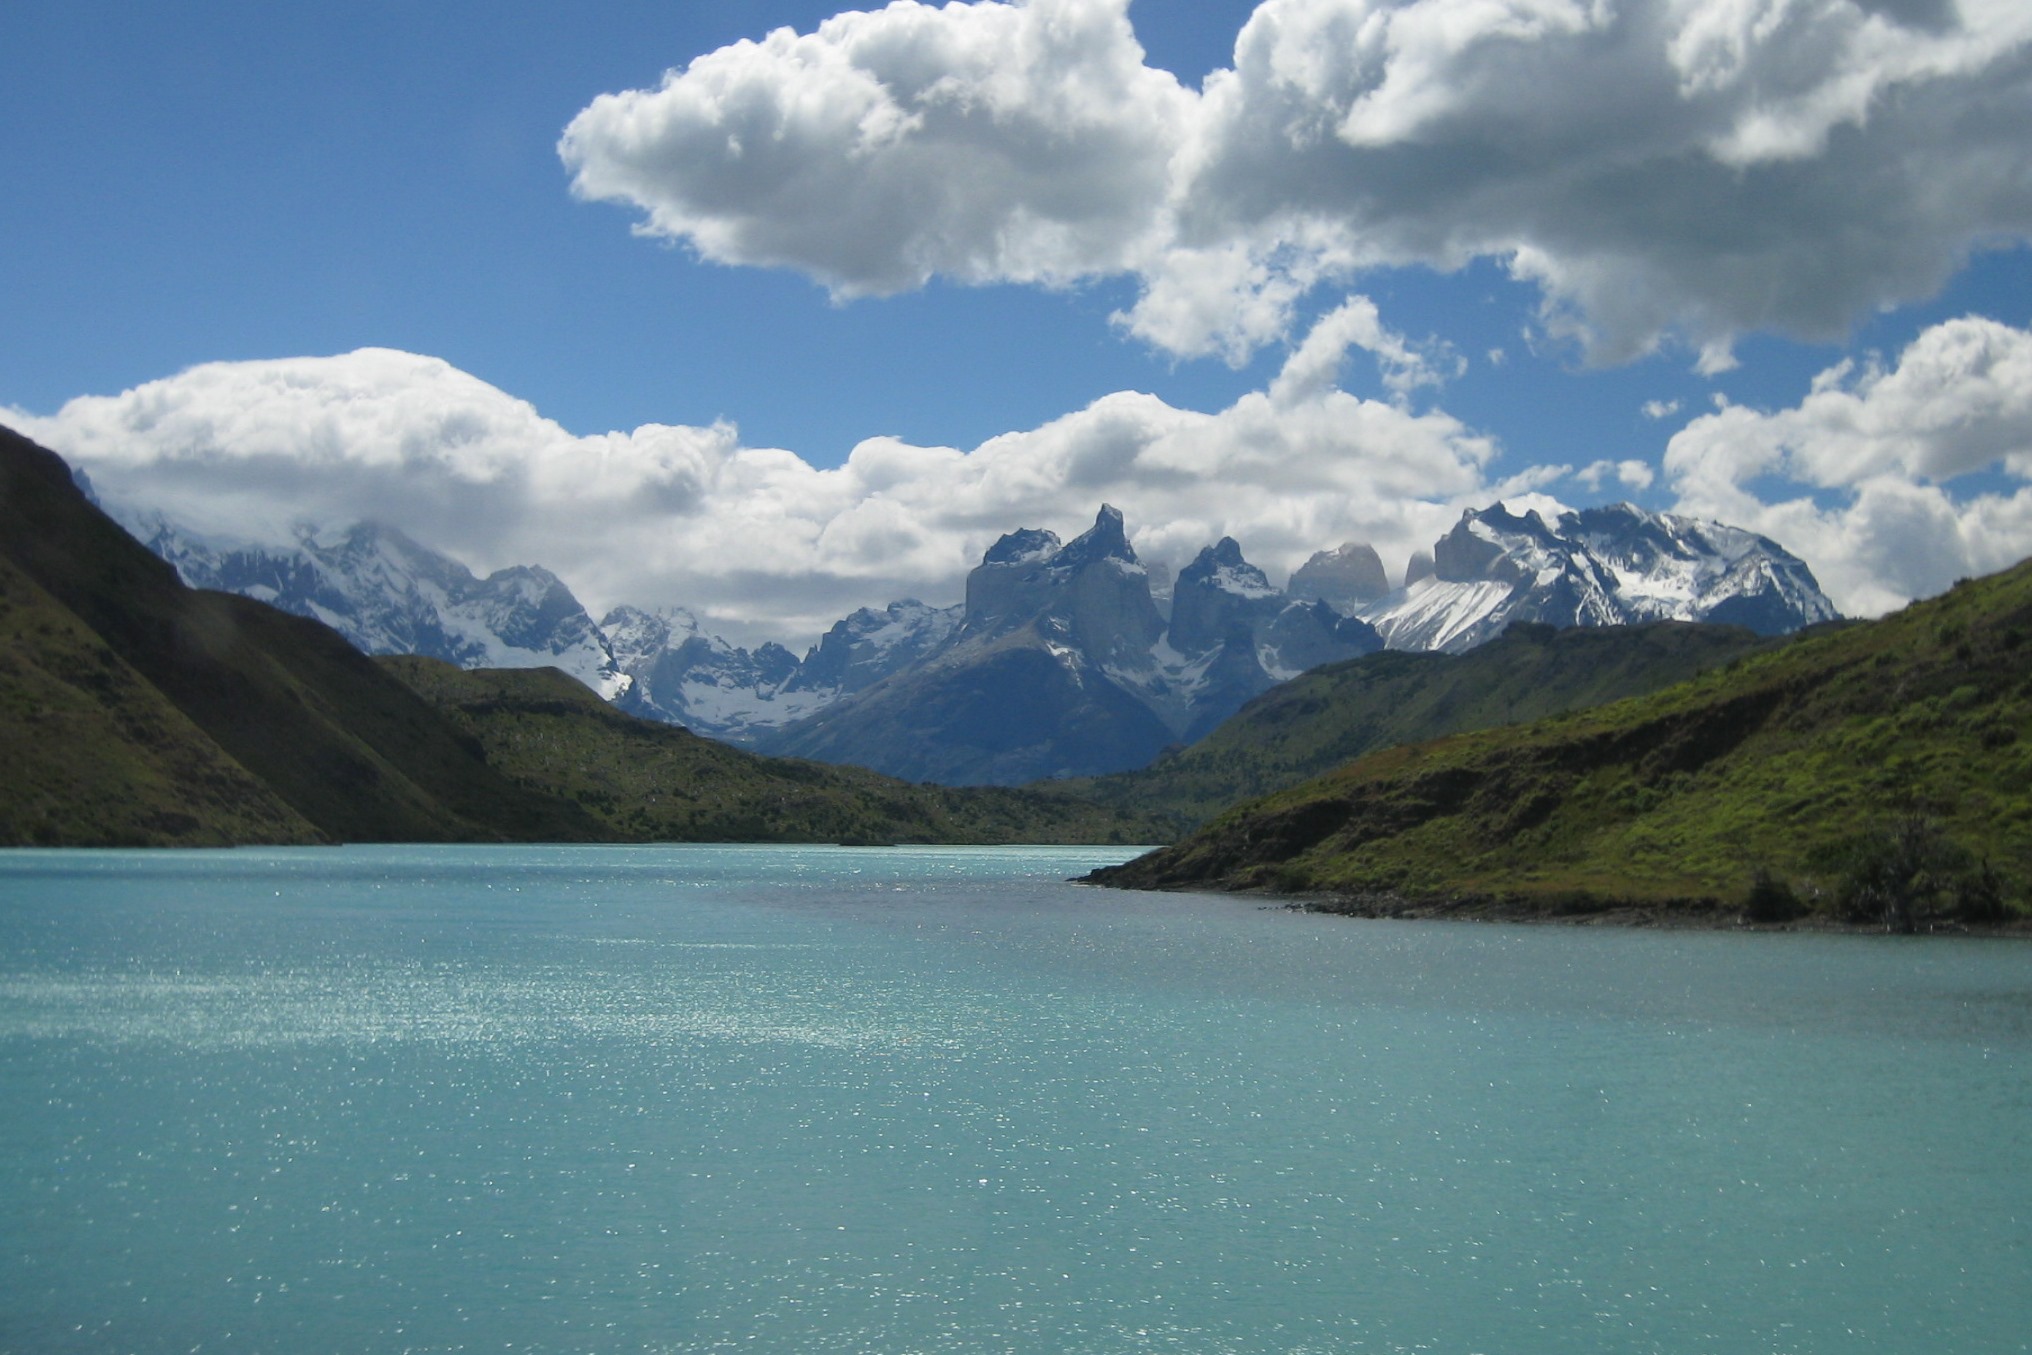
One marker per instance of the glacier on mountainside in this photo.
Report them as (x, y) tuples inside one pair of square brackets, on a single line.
[(1615, 565), (684, 675), (389, 595)]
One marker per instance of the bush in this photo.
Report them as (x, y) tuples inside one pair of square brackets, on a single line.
[(1915, 871), (1771, 899), (1893, 876), (1980, 896)]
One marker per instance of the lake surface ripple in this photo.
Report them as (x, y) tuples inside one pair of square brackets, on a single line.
[(825, 1099)]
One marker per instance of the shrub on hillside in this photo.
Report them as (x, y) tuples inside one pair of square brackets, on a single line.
[(1771, 899), (1913, 871)]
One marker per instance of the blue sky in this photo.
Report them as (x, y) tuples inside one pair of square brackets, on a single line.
[(1547, 233), (219, 181)]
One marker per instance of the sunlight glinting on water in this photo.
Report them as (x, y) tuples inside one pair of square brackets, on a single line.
[(736, 1099), (408, 1003)]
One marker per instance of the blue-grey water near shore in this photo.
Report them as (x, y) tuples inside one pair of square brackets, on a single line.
[(801, 1099)]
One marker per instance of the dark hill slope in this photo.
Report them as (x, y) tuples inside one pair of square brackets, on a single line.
[(95, 754), (354, 753), (1342, 711), (1887, 756), (648, 781)]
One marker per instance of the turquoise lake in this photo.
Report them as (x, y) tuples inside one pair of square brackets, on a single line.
[(924, 1099)]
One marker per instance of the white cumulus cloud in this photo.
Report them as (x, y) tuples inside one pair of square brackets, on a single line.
[(1629, 474), (1892, 481), (1662, 169), (982, 142), (757, 538)]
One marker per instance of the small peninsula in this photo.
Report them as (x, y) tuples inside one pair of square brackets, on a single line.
[(1873, 774)]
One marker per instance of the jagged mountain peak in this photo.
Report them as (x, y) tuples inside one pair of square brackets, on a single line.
[(1344, 578), (1027, 579), (1614, 565), (1494, 543), (388, 594), (1226, 551), (1107, 539), (1221, 566), (637, 635), (1026, 545), (868, 645)]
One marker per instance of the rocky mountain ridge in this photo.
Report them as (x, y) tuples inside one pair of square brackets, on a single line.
[(1611, 566), (1065, 658), (1063, 664), (388, 594)]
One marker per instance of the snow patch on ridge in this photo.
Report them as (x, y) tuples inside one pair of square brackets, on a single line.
[(1434, 613)]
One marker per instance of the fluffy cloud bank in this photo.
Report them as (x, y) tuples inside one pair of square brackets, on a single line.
[(983, 142), (759, 539), (1661, 168), (1891, 481)]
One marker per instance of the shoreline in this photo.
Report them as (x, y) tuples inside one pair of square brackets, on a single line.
[(1660, 915)]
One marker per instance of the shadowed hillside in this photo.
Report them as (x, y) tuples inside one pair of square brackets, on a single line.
[(352, 752), (649, 781), (94, 753)]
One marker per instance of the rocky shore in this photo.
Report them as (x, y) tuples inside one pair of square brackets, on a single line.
[(1688, 914), (1699, 914)]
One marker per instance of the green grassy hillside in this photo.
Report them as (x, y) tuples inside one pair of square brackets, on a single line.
[(1342, 711), (646, 781), (94, 753), (350, 751), (1879, 769)]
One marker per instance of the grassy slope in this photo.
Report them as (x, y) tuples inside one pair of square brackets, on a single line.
[(96, 754), (646, 781), (1786, 761), (346, 746), (1342, 711)]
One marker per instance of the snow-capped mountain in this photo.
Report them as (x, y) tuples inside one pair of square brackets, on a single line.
[(1617, 565), (1062, 664), (862, 649), (1344, 578), (680, 674), (389, 595), (1066, 658), (686, 676)]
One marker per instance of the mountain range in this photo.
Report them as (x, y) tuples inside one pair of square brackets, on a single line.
[(1064, 659), (136, 710), (1610, 566), (389, 595), (1062, 664)]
